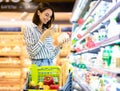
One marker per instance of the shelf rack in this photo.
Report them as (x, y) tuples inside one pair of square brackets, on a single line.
[(93, 26), (115, 40), (12, 75)]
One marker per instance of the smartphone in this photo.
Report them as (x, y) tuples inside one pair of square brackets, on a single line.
[(54, 27)]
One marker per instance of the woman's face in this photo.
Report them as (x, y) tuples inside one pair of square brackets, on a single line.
[(45, 16)]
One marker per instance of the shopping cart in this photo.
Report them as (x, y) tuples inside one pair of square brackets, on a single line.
[(37, 74), (68, 84)]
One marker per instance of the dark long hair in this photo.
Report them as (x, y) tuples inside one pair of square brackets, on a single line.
[(42, 7)]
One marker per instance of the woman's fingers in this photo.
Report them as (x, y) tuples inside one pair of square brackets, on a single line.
[(65, 40)]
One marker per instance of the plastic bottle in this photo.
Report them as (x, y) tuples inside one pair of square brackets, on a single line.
[(107, 55)]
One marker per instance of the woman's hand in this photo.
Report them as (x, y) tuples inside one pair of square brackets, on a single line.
[(61, 44), (46, 33), (62, 39)]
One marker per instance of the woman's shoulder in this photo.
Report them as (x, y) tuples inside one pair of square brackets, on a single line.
[(30, 24)]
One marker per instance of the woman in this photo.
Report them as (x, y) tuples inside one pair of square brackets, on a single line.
[(38, 38)]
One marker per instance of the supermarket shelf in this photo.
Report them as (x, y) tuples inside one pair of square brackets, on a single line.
[(82, 83), (8, 81), (115, 40), (12, 73), (111, 41), (9, 33), (91, 50), (102, 18), (79, 9), (10, 54), (108, 0), (10, 66), (11, 44), (102, 70), (91, 29), (92, 10)]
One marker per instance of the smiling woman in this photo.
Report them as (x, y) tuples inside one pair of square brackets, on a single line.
[(38, 36)]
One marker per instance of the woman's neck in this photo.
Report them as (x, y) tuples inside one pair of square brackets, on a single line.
[(40, 27)]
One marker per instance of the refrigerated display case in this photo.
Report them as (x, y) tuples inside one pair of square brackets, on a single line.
[(97, 43)]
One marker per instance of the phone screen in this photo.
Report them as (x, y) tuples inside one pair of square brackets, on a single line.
[(54, 27)]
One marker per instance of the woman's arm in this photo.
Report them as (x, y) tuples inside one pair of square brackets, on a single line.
[(33, 43)]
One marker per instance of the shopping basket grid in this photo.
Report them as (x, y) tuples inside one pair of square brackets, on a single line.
[(43, 71)]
